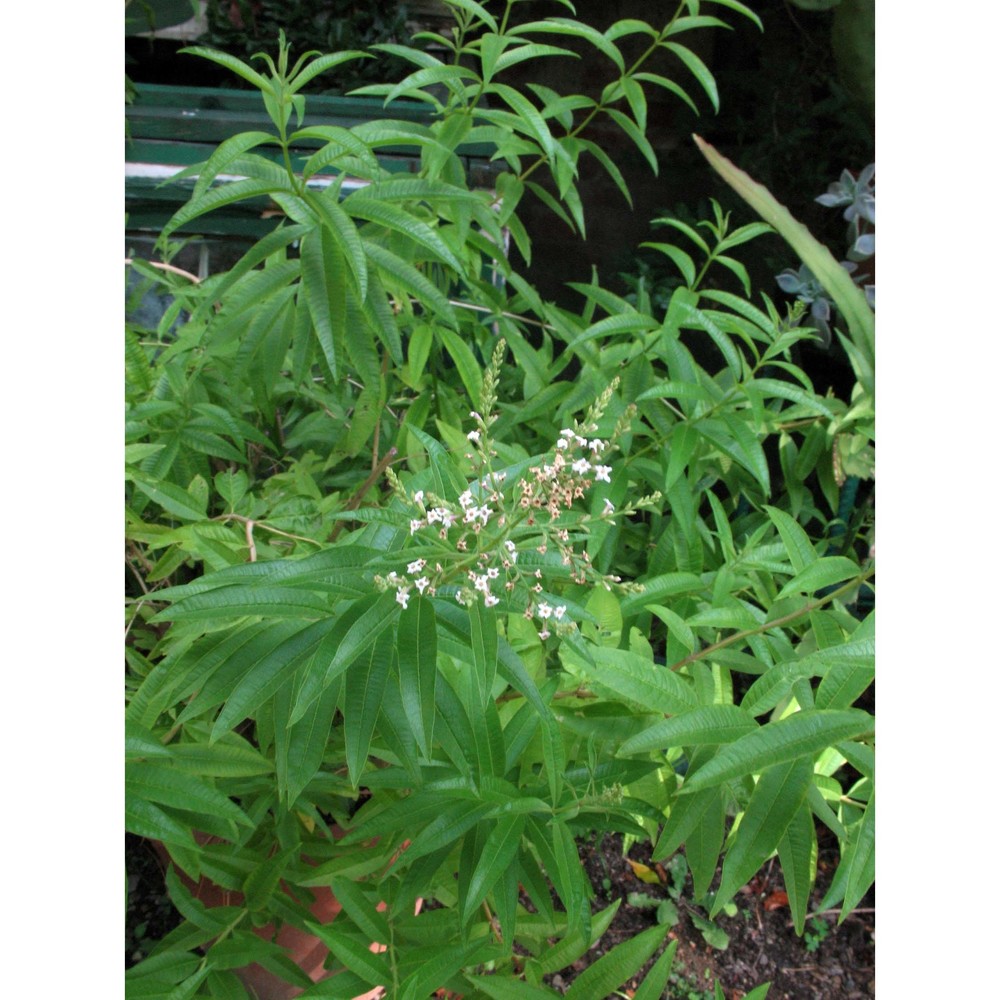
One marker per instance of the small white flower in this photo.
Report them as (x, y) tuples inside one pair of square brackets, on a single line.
[(609, 507), (544, 634), (567, 432), (602, 473), (560, 611), (418, 497), (544, 610), (416, 566), (597, 446), (512, 549), (402, 596), (475, 416), (489, 600), (581, 466), (422, 584), (492, 573), (466, 500), (415, 526), (562, 443), (473, 436)]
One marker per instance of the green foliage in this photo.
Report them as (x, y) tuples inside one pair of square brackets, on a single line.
[(421, 556), (244, 27)]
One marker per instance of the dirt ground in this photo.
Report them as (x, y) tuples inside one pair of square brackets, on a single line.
[(829, 962)]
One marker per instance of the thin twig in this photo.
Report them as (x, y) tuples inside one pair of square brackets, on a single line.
[(504, 315), (167, 267), (266, 527), (837, 909), (250, 543), (355, 500), (135, 573), (775, 623), (131, 621)]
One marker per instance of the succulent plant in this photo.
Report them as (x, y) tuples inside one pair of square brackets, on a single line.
[(857, 197)]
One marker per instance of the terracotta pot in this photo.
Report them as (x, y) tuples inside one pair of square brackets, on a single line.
[(306, 950)]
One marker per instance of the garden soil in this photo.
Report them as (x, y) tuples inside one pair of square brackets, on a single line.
[(830, 963)]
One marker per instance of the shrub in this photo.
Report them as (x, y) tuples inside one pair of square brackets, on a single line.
[(468, 575)]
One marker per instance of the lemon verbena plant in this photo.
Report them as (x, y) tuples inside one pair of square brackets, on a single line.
[(431, 577)]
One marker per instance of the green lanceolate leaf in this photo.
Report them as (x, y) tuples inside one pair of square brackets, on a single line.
[(701, 72), (447, 826), (260, 884), (655, 984), (655, 589), (228, 151), (362, 205), (557, 851), (340, 226), (362, 910), (444, 964), (803, 734), (365, 683), (228, 194), (797, 852), (710, 725), (235, 602), (483, 633), (859, 860), (844, 683), (778, 796), (229, 757), (265, 676), (233, 64), (703, 845), (497, 855), (824, 572), (396, 270), (850, 661), (465, 362), (324, 283), (145, 819), (357, 630), (510, 989), (635, 678), (299, 748), (141, 743), (617, 966), (416, 638), (322, 64), (800, 549), (170, 497), (168, 786), (352, 953)]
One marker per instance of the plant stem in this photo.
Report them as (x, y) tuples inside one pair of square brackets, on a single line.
[(355, 500), (266, 527), (776, 623), (598, 108)]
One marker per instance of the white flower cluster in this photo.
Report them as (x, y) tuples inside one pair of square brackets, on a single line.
[(474, 544), (477, 548), (555, 486)]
